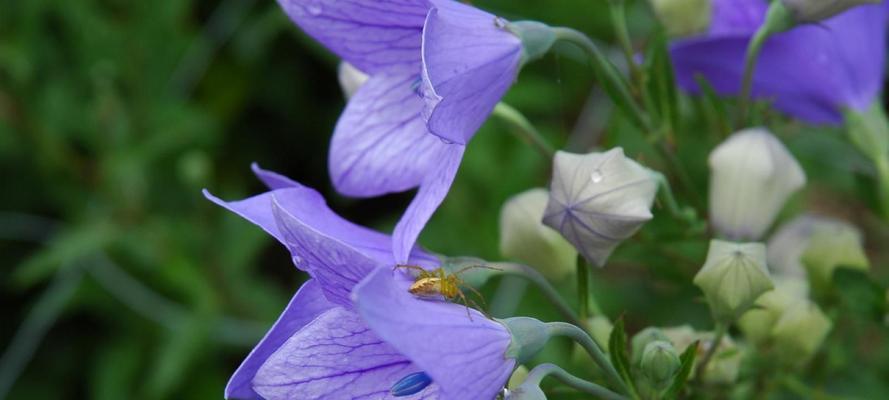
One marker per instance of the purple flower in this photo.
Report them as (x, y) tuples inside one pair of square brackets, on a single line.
[(354, 330), (812, 72), (435, 60)]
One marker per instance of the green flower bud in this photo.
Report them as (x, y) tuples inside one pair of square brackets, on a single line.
[(683, 17), (659, 364), (537, 38), (805, 11), (751, 177), (832, 245), (726, 362), (733, 277), (524, 237), (799, 332), (642, 339), (757, 323), (518, 376)]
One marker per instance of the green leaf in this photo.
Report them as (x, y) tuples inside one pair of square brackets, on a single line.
[(617, 345), (64, 249), (661, 83), (688, 361), (859, 293)]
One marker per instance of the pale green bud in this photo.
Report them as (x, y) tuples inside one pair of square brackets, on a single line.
[(683, 17), (800, 331), (659, 364), (351, 78), (751, 177), (869, 131), (785, 248), (833, 245), (518, 376), (805, 11), (757, 323), (725, 365), (733, 277), (524, 237), (642, 339), (537, 38), (597, 200)]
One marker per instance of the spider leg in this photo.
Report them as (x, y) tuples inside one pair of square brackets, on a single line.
[(412, 268), (480, 309), (477, 293), (465, 303), (467, 268)]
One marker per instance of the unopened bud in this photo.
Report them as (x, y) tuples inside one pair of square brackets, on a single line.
[(642, 339), (800, 331), (529, 336), (524, 237), (725, 365), (733, 277), (350, 78), (660, 362), (805, 11), (598, 200), (752, 176), (683, 17), (537, 38), (757, 323), (833, 245), (518, 376)]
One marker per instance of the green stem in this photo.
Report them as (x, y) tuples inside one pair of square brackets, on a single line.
[(611, 80), (548, 290), (686, 214), (777, 19), (882, 165), (543, 370), (599, 357), (524, 129), (721, 330), (586, 301), (619, 21)]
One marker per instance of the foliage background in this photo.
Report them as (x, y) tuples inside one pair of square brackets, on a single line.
[(119, 280)]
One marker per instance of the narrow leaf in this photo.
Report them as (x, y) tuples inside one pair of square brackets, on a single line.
[(687, 363)]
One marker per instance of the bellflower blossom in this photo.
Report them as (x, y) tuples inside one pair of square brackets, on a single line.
[(353, 330), (439, 62), (812, 72)]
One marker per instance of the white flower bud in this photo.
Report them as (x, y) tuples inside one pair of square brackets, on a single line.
[(832, 244), (598, 199), (757, 323), (350, 78), (733, 277), (725, 364), (800, 331), (683, 17), (819, 10), (524, 237), (752, 175), (786, 246)]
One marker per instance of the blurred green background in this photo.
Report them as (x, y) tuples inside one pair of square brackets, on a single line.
[(120, 280)]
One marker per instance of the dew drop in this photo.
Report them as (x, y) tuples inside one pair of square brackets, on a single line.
[(596, 176), (500, 22)]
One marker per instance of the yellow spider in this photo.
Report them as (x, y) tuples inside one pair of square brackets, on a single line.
[(438, 282)]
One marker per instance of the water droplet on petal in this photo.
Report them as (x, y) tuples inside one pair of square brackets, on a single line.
[(596, 176), (500, 22)]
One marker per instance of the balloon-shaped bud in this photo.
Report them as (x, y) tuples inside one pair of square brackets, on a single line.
[(757, 323), (683, 17), (642, 339), (659, 363), (529, 336), (800, 331), (350, 78), (832, 245), (537, 38), (733, 277), (805, 11), (524, 237), (598, 200), (751, 177)]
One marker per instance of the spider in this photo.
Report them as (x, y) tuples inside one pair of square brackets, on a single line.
[(438, 282)]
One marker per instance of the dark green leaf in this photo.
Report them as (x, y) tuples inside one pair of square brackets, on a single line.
[(688, 362), (859, 293), (617, 346)]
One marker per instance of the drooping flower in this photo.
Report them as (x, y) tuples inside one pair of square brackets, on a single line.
[(354, 330), (435, 67), (597, 200), (751, 177), (811, 72)]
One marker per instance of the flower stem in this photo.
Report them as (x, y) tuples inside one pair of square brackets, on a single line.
[(548, 290), (585, 299), (619, 21), (582, 338), (543, 370), (686, 214), (883, 183), (611, 80), (776, 21), (524, 129), (721, 330)]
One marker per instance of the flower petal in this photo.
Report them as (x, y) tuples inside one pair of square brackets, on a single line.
[(334, 357), (432, 192), (307, 303), (381, 144), (465, 357), (811, 72), (734, 16), (274, 180), (469, 62), (372, 35)]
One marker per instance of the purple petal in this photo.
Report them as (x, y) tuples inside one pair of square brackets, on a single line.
[(737, 16), (811, 72), (381, 144), (334, 357), (307, 303), (469, 62), (432, 192), (274, 180), (372, 35), (465, 357)]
